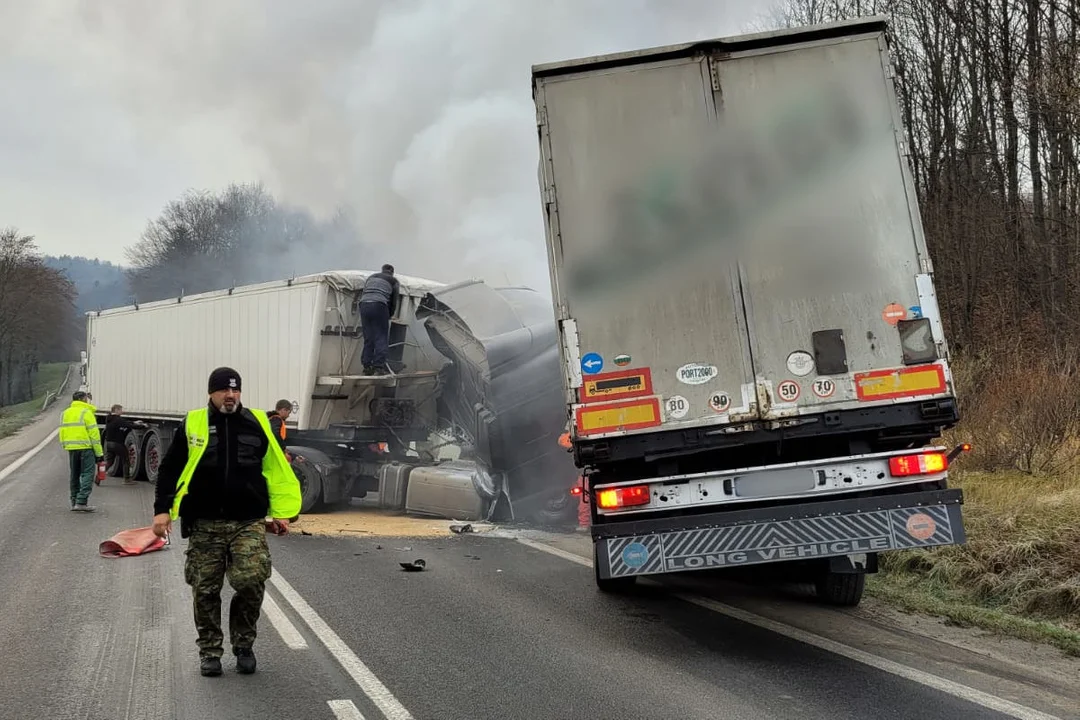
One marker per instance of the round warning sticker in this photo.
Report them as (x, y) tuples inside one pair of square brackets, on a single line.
[(824, 388), (720, 402), (893, 313), (635, 555), (789, 391), (921, 526), (677, 406), (800, 364)]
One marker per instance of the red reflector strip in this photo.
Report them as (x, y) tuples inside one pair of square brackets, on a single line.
[(921, 464), (621, 497)]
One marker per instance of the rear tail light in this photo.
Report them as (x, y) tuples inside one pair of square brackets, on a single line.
[(921, 464), (622, 497)]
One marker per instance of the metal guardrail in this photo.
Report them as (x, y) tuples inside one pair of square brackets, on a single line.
[(50, 396)]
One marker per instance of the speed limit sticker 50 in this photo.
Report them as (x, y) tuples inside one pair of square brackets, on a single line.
[(788, 391)]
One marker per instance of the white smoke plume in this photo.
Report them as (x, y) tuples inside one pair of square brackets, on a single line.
[(416, 115)]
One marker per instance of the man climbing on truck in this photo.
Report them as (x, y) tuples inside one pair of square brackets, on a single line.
[(377, 302)]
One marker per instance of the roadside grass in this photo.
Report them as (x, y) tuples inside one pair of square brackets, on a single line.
[(1018, 573), (47, 380)]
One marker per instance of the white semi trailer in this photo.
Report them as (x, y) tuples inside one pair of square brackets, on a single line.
[(474, 367), (753, 358)]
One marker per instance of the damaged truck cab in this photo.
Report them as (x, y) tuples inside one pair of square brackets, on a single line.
[(753, 357)]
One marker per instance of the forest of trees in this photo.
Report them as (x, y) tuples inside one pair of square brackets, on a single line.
[(37, 317), (990, 94), (209, 241), (98, 284)]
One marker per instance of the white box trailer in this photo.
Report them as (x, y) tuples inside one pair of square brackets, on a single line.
[(283, 337), (745, 302), (471, 367)]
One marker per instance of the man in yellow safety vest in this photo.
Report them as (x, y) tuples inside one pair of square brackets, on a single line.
[(223, 476), (79, 435)]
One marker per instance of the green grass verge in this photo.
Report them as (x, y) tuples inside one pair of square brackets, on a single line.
[(15, 417), (915, 595), (1018, 573)]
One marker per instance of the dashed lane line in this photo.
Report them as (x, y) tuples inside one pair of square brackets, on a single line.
[(285, 628), (371, 686), (344, 710)]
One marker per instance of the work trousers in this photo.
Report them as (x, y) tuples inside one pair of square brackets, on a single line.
[(83, 468), (117, 451), (375, 325), (237, 549)]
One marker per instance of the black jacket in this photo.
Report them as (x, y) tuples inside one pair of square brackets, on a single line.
[(228, 484), (275, 425), (116, 429)]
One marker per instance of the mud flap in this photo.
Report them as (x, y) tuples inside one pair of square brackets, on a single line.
[(820, 535)]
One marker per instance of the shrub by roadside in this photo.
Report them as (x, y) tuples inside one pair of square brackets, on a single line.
[(1019, 572)]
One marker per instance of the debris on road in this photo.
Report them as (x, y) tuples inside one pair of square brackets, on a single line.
[(461, 529), (131, 542), (414, 566)]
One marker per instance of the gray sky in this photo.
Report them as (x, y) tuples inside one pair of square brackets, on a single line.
[(417, 114)]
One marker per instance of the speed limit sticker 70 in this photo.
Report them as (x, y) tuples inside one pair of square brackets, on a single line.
[(788, 391), (824, 388)]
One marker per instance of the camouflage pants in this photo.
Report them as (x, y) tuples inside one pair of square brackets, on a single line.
[(220, 548)]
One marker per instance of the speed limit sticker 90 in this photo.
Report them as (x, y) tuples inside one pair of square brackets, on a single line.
[(788, 391), (824, 388)]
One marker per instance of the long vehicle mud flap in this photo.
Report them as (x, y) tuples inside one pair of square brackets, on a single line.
[(779, 534)]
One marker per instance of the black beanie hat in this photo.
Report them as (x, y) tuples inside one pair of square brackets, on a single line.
[(224, 378)]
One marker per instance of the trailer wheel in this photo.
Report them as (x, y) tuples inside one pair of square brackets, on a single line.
[(311, 490), (843, 589), (613, 586), (134, 456), (152, 455)]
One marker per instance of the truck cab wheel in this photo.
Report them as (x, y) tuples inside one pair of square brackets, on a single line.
[(841, 589), (311, 489)]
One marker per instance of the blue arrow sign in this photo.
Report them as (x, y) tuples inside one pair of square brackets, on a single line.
[(592, 363)]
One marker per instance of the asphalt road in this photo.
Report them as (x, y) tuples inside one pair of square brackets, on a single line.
[(494, 628)]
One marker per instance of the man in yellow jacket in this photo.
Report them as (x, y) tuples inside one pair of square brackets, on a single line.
[(79, 435), (223, 476)]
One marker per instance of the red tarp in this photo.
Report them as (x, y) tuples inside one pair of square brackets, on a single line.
[(131, 542)]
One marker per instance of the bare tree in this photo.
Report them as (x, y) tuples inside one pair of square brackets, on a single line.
[(36, 314), (206, 241)]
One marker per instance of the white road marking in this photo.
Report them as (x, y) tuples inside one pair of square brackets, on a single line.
[(357, 670), (978, 697), (283, 625), (6, 472), (344, 710), (565, 555)]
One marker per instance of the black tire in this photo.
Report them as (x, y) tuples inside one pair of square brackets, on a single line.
[(612, 586), (560, 510), (133, 445), (311, 490), (153, 453), (841, 589)]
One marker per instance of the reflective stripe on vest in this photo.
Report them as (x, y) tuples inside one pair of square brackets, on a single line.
[(281, 483), (79, 430)]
